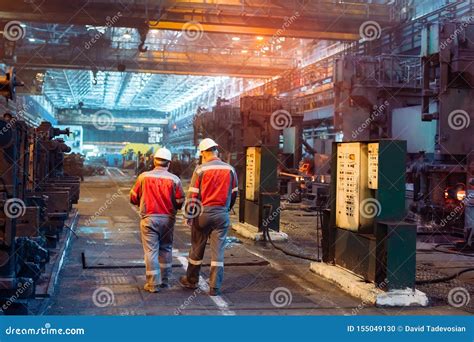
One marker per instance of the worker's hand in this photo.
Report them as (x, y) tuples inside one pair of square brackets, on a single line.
[(189, 222)]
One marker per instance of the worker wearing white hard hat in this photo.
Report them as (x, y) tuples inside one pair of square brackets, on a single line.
[(206, 144), (212, 194), (159, 195)]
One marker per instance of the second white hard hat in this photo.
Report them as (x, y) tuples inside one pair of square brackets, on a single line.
[(163, 153), (206, 144)]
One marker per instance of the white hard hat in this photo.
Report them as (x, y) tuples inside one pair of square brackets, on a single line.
[(163, 153), (206, 144)]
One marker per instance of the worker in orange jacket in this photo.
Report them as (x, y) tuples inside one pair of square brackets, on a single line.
[(159, 194), (212, 194)]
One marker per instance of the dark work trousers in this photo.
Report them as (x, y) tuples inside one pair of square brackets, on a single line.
[(157, 239), (213, 223)]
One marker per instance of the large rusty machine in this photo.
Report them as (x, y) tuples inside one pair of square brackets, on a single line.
[(271, 140), (224, 125), (35, 201), (427, 101)]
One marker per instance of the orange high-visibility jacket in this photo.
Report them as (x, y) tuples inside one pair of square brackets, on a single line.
[(157, 192)]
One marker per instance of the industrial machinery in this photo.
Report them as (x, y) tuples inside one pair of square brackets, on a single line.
[(21, 258), (448, 102), (263, 122), (365, 232), (35, 200), (8, 84), (382, 97), (223, 124), (48, 179)]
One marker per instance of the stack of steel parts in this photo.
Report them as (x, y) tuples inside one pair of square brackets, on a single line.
[(36, 200)]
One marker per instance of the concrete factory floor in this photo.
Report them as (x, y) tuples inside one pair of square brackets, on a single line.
[(104, 275)]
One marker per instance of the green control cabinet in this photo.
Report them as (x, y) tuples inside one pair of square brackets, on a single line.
[(364, 231), (260, 197)]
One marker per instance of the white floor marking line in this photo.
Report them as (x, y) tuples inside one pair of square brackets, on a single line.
[(222, 305), (120, 171)]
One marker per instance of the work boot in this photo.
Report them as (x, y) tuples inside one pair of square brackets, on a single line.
[(213, 291), (165, 283), (184, 282), (151, 288)]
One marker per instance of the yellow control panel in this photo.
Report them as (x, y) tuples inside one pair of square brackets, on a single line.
[(351, 185), (373, 153), (252, 181)]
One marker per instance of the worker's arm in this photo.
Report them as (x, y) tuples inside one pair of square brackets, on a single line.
[(179, 196), (235, 188), (136, 192), (193, 193)]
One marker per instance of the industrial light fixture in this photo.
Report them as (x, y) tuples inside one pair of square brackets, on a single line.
[(259, 38), (244, 51), (127, 35), (31, 40), (235, 39)]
